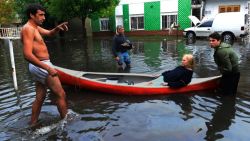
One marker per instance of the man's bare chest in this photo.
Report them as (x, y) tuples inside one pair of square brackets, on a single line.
[(38, 38)]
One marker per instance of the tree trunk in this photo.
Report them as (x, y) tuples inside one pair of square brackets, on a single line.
[(84, 33)]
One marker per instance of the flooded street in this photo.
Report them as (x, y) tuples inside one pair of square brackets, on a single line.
[(97, 116)]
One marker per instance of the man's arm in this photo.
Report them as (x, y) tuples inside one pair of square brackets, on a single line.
[(61, 27), (114, 51), (226, 65)]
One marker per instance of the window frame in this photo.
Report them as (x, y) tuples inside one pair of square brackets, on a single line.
[(168, 20), (107, 28), (137, 23), (229, 8)]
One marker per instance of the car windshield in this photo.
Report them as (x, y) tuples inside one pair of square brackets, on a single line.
[(206, 23)]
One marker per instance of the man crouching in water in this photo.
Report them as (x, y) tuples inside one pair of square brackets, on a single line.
[(36, 53)]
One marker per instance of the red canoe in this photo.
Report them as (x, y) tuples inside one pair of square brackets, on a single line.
[(129, 83)]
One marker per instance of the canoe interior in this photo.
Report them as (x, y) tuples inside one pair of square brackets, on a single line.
[(140, 80), (119, 79)]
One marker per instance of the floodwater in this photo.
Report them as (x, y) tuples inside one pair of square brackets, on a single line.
[(95, 116)]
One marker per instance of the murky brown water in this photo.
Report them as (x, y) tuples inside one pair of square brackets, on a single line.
[(191, 116)]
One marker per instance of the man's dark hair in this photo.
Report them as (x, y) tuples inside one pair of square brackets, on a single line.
[(32, 9), (215, 35)]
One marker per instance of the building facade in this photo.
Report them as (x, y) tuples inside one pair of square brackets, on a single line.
[(151, 17), (209, 8)]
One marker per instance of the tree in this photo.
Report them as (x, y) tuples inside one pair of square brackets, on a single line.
[(68, 9), (7, 14), (20, 7)]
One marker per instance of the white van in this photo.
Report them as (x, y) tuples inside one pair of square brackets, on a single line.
[(230, 25)]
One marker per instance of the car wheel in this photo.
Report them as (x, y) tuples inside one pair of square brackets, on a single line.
[(191, 38), (228, 38)]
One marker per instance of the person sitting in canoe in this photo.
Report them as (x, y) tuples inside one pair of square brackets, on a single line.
[(178, 77)]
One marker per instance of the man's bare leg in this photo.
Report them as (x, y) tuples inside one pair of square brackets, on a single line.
[(37, 104), (55, 85)]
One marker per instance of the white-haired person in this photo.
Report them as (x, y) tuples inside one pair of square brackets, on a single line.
[(178, 77)]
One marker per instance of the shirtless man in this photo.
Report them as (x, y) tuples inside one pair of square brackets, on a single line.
[(36, 53)]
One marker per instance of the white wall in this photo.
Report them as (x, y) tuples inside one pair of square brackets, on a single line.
[(169, 6), (118, 10), (136, 7), (136, 1), (212, 6)]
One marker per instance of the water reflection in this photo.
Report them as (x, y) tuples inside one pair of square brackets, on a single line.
[(185, 103), (222, 119), (191, 116)]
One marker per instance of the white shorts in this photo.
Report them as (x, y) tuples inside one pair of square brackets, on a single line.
[(39, 74)]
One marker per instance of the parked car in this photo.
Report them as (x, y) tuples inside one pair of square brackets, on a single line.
[(230, 25)]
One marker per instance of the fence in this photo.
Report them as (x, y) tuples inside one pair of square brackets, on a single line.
[(10, 33)]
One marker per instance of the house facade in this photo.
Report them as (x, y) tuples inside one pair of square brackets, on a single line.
[(156, 17), (209, 8)]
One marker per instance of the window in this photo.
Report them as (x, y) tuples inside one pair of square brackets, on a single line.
[(194, 2), (137, 23), (236, 8), (104, 24), (229, 8), (167, 20), (206, 24)]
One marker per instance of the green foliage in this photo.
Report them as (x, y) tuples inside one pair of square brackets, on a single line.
[(7, 14), (20, 7), (68, 9), (65, 10)]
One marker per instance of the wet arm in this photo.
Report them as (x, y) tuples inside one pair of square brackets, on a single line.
[(114, 47), (60, 27)]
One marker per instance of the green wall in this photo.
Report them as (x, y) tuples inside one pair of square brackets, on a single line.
[(125, 9), (184, 10), (152, 15), (95, 25), (112, 23)]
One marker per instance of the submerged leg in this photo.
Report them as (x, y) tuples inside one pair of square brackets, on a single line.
[(37, 104), (55, 85)]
